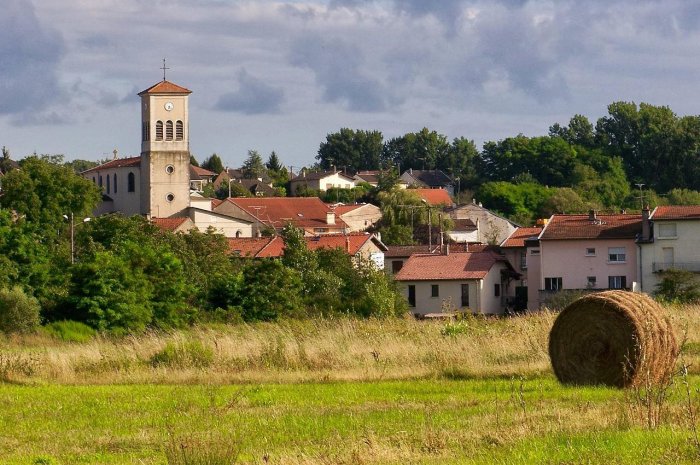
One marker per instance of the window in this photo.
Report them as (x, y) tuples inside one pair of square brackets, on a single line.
[(396, 266), (535, 252), (131, 182), (179, 130), (523, 261), (238, 233), (170, 197), (115, 183), (159, 130), (616, 254), (617, 282), (168, 130), (667, 230), (590, 251), (99, 180), (107, 183), (496, 290), (434, 290), (591, 282), (93, 180), (170, 169), (552, 284), (465, 295), (411, 295), (144, 131)]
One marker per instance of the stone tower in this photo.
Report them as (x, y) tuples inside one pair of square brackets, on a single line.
[(165, 150)]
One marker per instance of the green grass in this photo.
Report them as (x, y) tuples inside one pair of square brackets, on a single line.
[(508, 421)]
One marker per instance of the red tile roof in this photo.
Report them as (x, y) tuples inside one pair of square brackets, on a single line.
[(517, 237), (118, 163), (169, 224), (618, 226), (343, 209), (302, 212), (273, 247), (201, 172), (397, 251), (455, 266), (165, 87), (676, 212), (434, 197), (248, 246)]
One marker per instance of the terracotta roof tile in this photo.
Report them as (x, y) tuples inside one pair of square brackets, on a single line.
[(676, 212), (396, 251), (618, 226), (517, 237), (118, 163), (248, 246), (273, 247), (165, 87), (434, 197), (302, 212), (169, 224), (455, 266), (201, 172)]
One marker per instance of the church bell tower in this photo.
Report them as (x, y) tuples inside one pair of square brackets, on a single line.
[(165, 150)]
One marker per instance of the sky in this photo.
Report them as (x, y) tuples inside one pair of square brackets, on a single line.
[(281, 75)]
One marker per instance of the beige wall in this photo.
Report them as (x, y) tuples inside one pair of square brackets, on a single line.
[(492, 229), (229, 227), (128, 203), (153, 110), (533, 277), (158, 181), (683, 247), (362, 217)]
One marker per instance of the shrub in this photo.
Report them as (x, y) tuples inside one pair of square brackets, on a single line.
[(70, 331), (678, 286), (19, 313), (190, 354)]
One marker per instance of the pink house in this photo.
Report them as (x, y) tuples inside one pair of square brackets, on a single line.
[(594, 251)]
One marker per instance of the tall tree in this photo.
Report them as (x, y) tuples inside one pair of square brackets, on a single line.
[(253, 166), (352, 150), (418, 150), (213, 163), (273, 162)]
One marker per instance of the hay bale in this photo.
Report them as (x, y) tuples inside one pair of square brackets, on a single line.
[(617, 338)]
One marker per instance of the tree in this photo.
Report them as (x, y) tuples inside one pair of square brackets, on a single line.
[(353, 150), (253, 166), (678, 286), (213, 163), (273, 162), (418, 150), (579, 132), (193, 161), (683, 197)]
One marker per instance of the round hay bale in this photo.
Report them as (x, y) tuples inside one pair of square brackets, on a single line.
[(616, 338)]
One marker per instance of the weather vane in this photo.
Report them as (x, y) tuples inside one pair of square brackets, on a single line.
[(164, 68)]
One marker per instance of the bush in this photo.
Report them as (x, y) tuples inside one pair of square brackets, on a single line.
[(19, 313), (190, 354), (70, 331), (678, 286), (561, 299)]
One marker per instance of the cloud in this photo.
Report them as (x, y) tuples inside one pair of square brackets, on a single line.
[(339, 68), (30, 54), (253, 97)]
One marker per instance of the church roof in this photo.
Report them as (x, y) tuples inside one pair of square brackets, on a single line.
[(165, 87), (118, 163)]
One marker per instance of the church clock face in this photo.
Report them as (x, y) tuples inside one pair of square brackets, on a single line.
[(168, 106)]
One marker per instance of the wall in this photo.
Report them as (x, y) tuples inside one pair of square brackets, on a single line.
[(128, 203), (362, 217), (492, 228), (686, 252), (223, 225)]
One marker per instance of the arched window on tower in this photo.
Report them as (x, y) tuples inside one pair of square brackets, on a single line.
[(144, 132), (107, 183), (131, 182), (168, 130), (179, 130), (159, 130), (115, 183)]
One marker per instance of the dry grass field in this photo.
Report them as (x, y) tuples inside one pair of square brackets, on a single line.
[(335, 391)]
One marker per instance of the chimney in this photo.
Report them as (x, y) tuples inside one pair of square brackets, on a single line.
[(646, 224), (347, 243), (447, 248), (330, 217), (591, 215)]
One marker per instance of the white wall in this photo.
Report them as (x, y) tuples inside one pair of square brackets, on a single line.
[(685, 249)]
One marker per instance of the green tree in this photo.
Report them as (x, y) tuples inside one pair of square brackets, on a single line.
[(213, 163), (353, 150), (421, 150), (683, 197), (273, 162), (678, 286), (19, 312), (253, 166), (193, 161)]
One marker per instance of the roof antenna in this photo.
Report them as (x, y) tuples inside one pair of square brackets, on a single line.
[(164, 68)]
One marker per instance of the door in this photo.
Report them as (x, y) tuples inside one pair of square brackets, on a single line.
[(668, 257)]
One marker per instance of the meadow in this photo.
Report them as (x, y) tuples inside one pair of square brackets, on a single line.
[(335, 391)]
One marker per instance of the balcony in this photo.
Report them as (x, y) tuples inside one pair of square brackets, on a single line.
[(658, 267)]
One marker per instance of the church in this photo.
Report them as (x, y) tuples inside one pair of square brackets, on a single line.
[(156, 184)]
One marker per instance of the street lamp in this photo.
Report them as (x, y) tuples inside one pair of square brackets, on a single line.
[(72, 234)]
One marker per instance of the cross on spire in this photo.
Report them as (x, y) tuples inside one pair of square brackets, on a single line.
[(164, 68)]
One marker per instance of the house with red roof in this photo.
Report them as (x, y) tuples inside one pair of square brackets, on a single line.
[(490, 227), (583, 252), (438, 197), (361, 246), (475, 282), (670, 240), (310, 214)]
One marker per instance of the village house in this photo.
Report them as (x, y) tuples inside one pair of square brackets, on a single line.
[(320, 181), (396, 255), (200, 177), (438, 198), (583, 252), (475, 282), (358, 217), (669, 240), (514, 248), (361, 246), (371, 177), (258, 187), (430, 179), (310, 214), (490, 228)]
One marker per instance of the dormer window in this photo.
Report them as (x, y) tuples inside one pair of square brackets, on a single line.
[(159, 130), (179, 130), (169, 130)]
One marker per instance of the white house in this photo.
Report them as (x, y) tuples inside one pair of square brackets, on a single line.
[(321, 181), (474, 282)]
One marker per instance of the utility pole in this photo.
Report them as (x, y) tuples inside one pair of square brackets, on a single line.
[(641, 194)]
